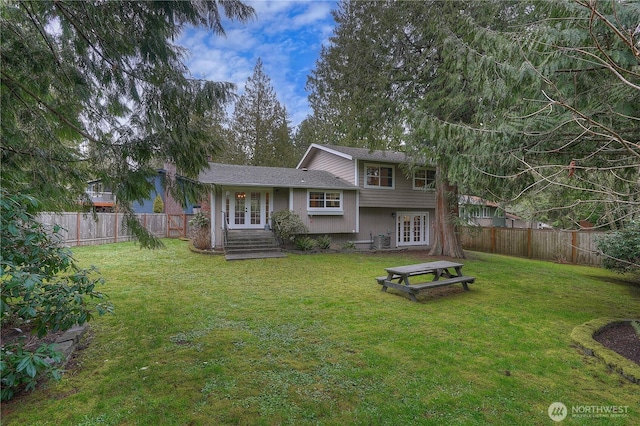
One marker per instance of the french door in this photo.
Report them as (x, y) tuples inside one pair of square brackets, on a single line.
[(248, 209), (412, 228)]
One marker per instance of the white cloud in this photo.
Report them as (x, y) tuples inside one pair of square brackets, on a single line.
[(287, 35), (317, 11)]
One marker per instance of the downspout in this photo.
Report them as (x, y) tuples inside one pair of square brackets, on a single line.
[(212, 226), (358, 211), (291, 198)]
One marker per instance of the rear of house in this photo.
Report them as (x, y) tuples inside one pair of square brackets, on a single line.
[(247, 196), (395, 198), (351, 194)]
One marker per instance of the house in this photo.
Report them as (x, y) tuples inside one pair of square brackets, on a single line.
[(101, 197), (479, 212), (351, 194), (104, 201)]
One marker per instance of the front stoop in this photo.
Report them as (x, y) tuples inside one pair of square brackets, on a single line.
[(251, 244)]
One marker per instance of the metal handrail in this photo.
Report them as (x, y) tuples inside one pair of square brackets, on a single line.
[(275, 228)]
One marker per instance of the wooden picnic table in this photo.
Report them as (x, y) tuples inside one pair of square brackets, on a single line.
[(399, 277)]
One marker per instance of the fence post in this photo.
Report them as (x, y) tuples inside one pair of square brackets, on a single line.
[(115, 229), (529, 243), (493, 239), (78, 229), (184, 225), (574, 248)]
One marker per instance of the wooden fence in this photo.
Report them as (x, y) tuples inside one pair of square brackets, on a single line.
[(577, 247), (80, 229)]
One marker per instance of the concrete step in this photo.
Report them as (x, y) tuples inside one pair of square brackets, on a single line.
[(251, 244)]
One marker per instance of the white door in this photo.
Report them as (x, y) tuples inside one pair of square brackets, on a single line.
[(248, 209), (413, 228)]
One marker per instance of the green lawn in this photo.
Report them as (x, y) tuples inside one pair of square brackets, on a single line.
[(311, 339)]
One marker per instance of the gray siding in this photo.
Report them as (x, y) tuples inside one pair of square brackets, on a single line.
[(374, 221), (280, 199), (327, 224), (333, 164), (380, 221), (402, 197)]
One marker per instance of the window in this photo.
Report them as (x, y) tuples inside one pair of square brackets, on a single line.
[(328, 201), (379, 176), (476, 211), (424, 179)]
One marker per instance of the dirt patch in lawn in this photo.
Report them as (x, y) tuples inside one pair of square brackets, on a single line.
[(621, 338)]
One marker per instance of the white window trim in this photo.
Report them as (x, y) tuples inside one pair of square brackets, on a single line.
[(319, 211), (422, 188), (393, 175)]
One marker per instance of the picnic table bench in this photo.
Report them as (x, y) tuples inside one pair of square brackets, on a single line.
[(398, 277)]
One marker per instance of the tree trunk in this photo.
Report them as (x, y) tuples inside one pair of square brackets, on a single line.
[(447, 239)]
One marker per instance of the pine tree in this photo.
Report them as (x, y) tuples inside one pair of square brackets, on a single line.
[(260, 127), (97, 90), (158, 204), (503, 96)]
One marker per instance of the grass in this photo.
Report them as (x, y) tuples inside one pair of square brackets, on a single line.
[(311, 339)]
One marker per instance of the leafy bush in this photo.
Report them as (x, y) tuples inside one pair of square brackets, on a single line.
[(201, 234), (349, 245), (288, 225), (200, 220), (305, 243), (40, 286), (158, 204), (621, 249), (21, 368), (324, 242)]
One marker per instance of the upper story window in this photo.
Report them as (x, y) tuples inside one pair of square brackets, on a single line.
[(325, 201), (379, 176), (424, 179)]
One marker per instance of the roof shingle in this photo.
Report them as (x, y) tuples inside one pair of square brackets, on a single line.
[(231, 174)]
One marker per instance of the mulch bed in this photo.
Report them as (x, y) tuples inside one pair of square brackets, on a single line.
[(24, 332), (621, 338)]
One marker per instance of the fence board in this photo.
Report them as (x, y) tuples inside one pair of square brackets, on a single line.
[(577, 247), (80, 229)]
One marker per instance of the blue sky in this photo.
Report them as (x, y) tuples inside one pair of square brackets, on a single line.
[(287, 35)]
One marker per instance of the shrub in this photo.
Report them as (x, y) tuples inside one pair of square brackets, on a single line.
[(158, 204), (349, 245), (324, 242), (305, 243), (288, 225), (201, 233), (40, 286), (621, 249), (21, 368)]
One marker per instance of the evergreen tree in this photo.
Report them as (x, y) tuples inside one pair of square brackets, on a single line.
[(260, 127), (550, 94), (381, 64), (97, 89), (505, 97), (308, 132), (158, 204), (362, 85)]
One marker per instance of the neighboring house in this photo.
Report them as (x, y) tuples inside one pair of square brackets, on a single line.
[(479, 212), (105, 201), (102, 198), (351, 194)]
